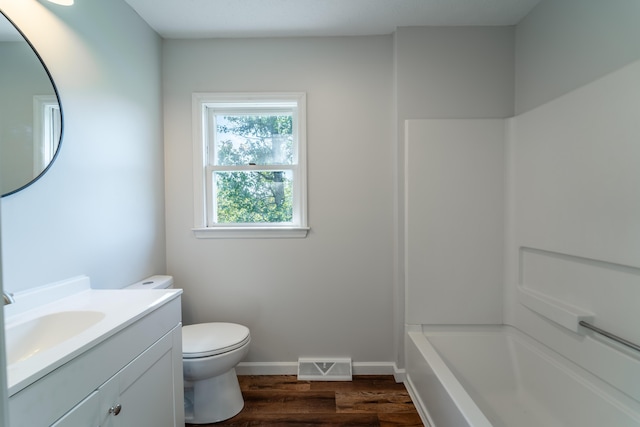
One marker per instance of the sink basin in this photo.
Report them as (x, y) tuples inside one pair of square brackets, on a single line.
[(27, 339), (49, 326)]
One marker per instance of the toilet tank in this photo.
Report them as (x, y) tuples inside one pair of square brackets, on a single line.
[(153, 282)]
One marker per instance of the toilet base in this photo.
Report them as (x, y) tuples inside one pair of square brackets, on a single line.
[(213, 399)]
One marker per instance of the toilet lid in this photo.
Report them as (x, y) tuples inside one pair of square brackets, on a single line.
[(209, 339)]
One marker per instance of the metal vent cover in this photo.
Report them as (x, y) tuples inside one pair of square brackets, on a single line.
[(324, 369)]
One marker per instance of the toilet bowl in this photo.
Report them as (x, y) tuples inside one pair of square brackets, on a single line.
[(210, 353)]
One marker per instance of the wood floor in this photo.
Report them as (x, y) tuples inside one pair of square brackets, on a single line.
[(282, 400)]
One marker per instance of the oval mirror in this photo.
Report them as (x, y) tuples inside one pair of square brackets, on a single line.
[(30, 112)]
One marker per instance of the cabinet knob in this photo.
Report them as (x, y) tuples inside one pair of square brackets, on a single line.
[(115, 410)]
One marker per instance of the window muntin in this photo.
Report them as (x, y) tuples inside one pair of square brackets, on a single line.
[(253, 162)]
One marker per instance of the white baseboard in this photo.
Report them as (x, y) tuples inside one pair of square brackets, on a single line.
[(291, 368), (267, 368)]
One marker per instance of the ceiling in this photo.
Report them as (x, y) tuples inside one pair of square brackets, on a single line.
[(282, 18)]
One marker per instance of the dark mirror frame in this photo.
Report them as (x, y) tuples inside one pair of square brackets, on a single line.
[(55, 89)]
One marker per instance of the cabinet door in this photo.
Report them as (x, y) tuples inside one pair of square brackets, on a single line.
[(142, 393), (85, 413)]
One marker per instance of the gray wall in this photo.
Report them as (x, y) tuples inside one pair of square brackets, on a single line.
[(346, 277), (331, 293), (100, 209), (564, 44), (454, 72)]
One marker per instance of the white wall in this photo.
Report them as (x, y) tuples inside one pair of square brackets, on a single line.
[(564, 44), (454, 182), (573, 201), (331, 293), (446, 73), (574, 230), (572, 179), (99, 210)]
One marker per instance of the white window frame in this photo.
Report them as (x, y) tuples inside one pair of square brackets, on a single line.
[(204, 227), (47, 127)]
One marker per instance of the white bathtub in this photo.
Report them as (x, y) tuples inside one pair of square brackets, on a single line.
[(500, 377)]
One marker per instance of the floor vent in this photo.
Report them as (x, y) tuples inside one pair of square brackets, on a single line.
[(318, 369)]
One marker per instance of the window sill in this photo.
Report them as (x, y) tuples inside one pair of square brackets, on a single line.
[(251, 232)]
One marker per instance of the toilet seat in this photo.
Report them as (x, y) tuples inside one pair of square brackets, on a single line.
[(210, 339)]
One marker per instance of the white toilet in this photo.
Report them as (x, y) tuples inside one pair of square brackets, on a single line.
[(210, 353)]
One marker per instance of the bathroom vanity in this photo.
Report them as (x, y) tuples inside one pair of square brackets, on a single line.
[(118, 364)]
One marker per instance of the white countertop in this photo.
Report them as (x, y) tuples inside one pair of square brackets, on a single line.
[(121, 308)]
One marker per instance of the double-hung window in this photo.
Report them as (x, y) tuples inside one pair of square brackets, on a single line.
[(250, 165), (47, 128)]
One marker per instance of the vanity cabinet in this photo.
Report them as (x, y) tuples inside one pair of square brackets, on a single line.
[(133, 378), (85, 413), (142, 393)]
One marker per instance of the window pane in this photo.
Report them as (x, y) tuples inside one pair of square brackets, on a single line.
[(264, 139), (254, 197)]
